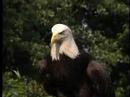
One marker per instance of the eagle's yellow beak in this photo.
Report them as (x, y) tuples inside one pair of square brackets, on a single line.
[(54, 38)]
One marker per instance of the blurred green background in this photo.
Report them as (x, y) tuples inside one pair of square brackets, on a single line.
[(102, 25)]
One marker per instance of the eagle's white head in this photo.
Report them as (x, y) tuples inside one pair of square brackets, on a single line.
[(62, 42)]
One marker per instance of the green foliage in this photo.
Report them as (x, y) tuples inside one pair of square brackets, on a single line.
[(102, 25), (15, 86)]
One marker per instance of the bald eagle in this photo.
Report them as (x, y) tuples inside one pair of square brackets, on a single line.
[(71, 72)]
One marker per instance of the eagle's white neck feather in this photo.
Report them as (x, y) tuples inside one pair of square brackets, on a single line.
[(68, 47)]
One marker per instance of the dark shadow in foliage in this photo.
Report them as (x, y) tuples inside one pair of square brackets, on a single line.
[(22, 63), (121, 69), (47, 38), (124, 69)]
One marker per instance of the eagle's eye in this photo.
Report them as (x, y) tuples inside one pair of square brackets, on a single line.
[(61, 32)]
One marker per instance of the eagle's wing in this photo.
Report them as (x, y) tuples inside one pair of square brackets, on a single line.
[(49, 86), (100, 78)]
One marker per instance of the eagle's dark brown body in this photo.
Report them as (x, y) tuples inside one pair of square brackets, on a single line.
[(81, 77)]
